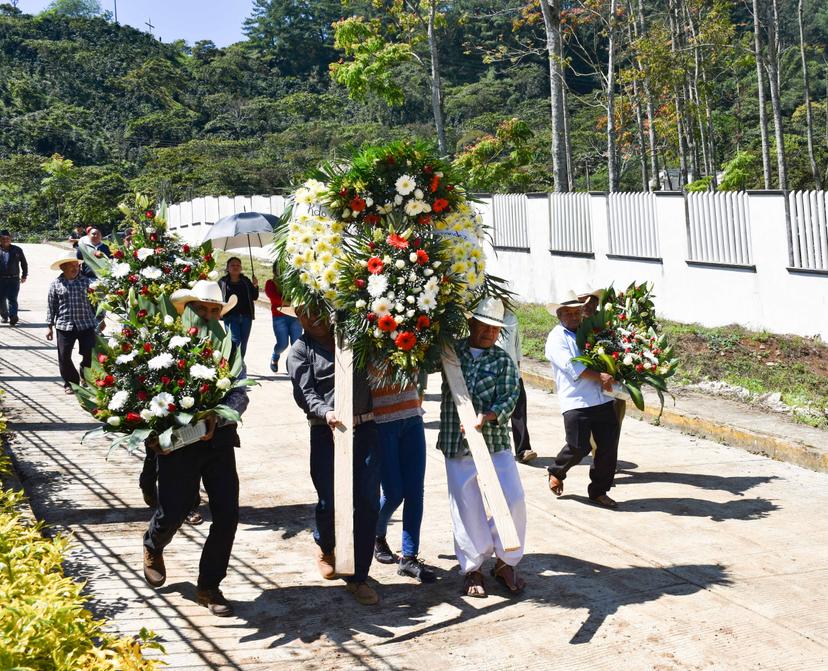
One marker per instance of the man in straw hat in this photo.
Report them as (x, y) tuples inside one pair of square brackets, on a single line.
[(311, 367), (587, 411), (211, 460), (69, 312), (492, 381)]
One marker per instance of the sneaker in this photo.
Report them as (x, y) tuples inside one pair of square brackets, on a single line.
[(154, 570), (215, 602), (326, 563), (527, 456), (363, 593), (274, 363), (413, 567), (382, 553)]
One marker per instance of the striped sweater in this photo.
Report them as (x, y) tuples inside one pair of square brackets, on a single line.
[(393, 403)]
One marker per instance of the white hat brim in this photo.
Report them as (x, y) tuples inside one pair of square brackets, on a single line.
[(491, 321), (553, 308), (181, 297), (67, 259)]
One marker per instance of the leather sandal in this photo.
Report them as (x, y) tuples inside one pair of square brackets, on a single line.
[(508, 576), (555, 485), (604, 501), (473, 585)]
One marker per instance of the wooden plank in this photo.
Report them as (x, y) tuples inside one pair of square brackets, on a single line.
[(344, 459), (486, 474)]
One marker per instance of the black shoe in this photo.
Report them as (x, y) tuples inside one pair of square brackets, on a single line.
[(154, 570), (150, 498), (13, 321), (215, 602), (382, 553), (274, 364), (414, 567)]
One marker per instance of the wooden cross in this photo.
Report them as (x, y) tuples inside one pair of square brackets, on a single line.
[(344, 458), (149, 25)]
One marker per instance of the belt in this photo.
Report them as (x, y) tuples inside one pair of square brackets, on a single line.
[(9, 277), (358, 419)]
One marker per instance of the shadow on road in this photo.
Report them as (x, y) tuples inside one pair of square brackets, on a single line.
[(736, 485), (741, 509)]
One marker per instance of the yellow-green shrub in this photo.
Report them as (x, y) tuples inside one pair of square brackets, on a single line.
[(43, 623)]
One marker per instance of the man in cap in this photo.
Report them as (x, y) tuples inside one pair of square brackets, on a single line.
[(69, 312), (587, 411), (210, 459), (13, 273), (494, 387)]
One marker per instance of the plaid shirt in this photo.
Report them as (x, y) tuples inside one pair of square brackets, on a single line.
[(493, 383), (68, 305)]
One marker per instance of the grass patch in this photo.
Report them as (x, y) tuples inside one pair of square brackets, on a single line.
[(761, 362)]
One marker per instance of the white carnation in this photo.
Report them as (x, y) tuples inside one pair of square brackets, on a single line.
[(410, 300), (119, 398), (360, 304), (217, 356), (418, 194), (628, 360), (120, 269), (178, 341), (126, 358), (144, 253), (200, 372), (377, 284), (151, 272), (400, 264), (412, 257), (161, 361)]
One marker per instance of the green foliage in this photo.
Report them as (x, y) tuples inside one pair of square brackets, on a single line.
[(83, 9), (741, 172)]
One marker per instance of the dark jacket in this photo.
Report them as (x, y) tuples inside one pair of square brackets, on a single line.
[(248, 290), (16, 261)]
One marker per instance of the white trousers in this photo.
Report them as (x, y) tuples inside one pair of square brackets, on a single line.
[(475, 535)]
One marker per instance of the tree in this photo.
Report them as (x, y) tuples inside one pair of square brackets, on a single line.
[(76, 9), (551, 11), (60, 173), (760, 79), (806, 86)]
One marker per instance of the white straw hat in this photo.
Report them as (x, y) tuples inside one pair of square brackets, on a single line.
[(490, 311), (205, 292), (569, 299), (65, 258)]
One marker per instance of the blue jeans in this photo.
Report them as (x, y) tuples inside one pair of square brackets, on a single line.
[(9, 288), (366, 492), (239, 327), (403, 452), (287, 331)]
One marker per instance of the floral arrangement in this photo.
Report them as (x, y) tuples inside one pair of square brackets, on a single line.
[(622, 339), (151, 262), (157, 371), (389, 246)]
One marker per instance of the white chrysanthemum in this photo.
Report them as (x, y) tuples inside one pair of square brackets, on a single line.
[(119, 269), (381, 306), (224, 383), (178, 341), (125, 358), (186, 402), (426, 302), (377, 284), (200, 372), (405, 184), (151, 272), (119, 398), (144, 253), (159, 403), (163, 360)]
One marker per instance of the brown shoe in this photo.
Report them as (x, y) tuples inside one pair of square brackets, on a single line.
[(363, 593), (154, 570), (604, 501), (326, 563), (215, 602)]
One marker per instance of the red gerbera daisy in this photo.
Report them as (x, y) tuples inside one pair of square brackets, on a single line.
[(440, 204), (406, 340), (357, 204), (422, 257), (387, 323), (423, 322), (375, 265), (397, 241)]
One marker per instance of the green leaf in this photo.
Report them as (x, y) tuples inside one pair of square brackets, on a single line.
[(93, 433), (635, 394), (612, 368), (183, 418), (227, 413)]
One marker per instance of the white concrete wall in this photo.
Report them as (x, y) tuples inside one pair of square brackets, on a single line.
[(767, 296)]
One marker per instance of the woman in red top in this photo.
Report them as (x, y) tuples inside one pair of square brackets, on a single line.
[(286, 329)]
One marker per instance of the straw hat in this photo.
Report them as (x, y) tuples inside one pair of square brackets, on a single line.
[(490, 311), (589, 291), (205, 292), (569, 299), (66, 257)]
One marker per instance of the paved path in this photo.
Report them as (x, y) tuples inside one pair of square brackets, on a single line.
[(717, 559)]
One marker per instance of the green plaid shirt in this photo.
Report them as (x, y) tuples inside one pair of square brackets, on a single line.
[(493, 383)]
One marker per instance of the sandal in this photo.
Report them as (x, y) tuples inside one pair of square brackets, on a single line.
[(508, 577), (555, 485), (473, 585), (194, 518)]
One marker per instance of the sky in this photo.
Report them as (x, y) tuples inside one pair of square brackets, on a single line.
[(190, 20)]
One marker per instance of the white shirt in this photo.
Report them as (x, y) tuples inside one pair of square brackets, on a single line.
[(509, 340), (574, 391)]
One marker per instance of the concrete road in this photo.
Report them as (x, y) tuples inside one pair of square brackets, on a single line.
[(716, 559)]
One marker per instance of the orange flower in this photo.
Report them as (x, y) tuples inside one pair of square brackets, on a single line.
[(406, 340), (435, 183), (357, 204), (375, 265), (397, 241), (440, 204), (422, 257), (423, 322), (387, 323)]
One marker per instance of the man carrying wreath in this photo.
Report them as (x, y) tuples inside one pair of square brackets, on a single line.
[(492, 381), (211, 460)]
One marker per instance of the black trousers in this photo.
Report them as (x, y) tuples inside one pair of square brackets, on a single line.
[(602, 423), (214, 463), (366, 492), (520, 432), (148, 480), (65, 344)]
